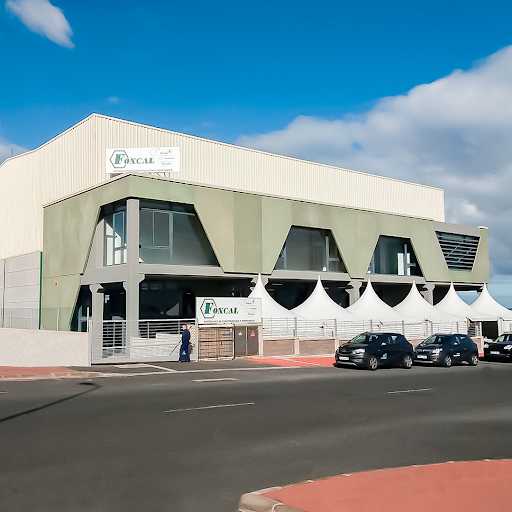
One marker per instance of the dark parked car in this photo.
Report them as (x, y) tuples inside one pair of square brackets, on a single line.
[(373, 349), (500, 348), (447, 349)]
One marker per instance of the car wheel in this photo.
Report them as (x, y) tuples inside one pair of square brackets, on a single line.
[(372, 363), (447, 361), (407, 361), (473, 360)]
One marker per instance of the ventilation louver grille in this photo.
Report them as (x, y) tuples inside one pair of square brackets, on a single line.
[(459, 250)]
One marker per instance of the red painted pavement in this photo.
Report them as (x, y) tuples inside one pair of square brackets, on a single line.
[(295, 361), (35, 371), (481, 486)]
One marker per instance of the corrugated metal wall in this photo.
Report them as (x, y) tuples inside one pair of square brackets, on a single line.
[(20, 279), (76, 160)]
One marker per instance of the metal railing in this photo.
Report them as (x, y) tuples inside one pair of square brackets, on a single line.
[(20, 318), (275, 328), (114, 341)]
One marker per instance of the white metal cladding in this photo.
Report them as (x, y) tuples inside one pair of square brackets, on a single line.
[(75, 160)]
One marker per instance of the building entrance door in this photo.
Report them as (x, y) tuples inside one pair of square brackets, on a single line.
[(246, 340)]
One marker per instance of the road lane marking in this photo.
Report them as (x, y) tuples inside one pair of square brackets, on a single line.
[(131, 365), (209, 407), (409, 391), (214, 380), (170, 370)]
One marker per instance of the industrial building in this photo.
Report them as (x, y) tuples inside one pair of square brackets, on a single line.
[(88, 229)]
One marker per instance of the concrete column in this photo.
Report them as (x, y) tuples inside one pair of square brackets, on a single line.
[(96, 332), (427, 291), (98, 300), (353, 290), (131, 285)]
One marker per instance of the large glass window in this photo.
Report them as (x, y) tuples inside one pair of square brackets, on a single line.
[(394, 256), (310, 249), (115, 237), (172, 234)]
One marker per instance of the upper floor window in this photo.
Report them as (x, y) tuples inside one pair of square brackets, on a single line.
[(171, 234), (394, 256), (310, 249), (115, 234)]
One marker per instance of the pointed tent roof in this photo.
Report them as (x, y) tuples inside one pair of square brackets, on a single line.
[(486, 304), (319, 306), (454, 305), (370, 307), (269, 307), (415, 305)]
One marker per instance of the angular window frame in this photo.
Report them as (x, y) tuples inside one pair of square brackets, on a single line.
[(406, 263), (329, 259)]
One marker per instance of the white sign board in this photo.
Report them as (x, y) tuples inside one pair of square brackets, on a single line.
[(228, 310), (119, 160)]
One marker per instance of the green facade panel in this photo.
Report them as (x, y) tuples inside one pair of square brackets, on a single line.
[(246, 231)]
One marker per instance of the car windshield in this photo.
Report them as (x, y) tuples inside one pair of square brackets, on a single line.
[(504, 338), (436, 339), (364, 339)]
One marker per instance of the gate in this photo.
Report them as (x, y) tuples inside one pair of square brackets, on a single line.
[(122, 341), (216, 342), (246, 340)]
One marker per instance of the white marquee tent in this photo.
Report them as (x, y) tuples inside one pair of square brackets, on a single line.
[(370, 307), (319, 306), (415, 305), (454, 305), (269, 307), (486, 304)]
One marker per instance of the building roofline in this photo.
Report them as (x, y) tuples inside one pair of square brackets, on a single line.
[(210, 141)]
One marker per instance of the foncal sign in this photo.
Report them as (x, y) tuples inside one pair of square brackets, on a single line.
[(228, 310), (142, 160)]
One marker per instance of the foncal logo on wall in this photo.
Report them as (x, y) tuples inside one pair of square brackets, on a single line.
[(119, 160), (228, 310)]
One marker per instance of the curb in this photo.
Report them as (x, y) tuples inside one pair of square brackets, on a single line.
[(52, 375), (255, 502)]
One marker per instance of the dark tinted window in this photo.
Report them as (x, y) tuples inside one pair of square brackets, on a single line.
[(438, 339)]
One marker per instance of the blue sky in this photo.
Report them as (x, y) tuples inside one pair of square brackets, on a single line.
[(420, 91)]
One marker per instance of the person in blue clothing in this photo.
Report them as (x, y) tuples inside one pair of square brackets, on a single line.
[(185, 345)]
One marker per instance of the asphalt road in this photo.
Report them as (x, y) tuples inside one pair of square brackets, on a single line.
[(161, 443)]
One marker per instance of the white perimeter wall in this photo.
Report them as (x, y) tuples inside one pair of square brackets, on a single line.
[(75, 160), (25, 347)]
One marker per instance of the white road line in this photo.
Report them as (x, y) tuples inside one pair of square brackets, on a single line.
[(4, 392), (409, 391), (170, 370), (209, 407), (213, 380)]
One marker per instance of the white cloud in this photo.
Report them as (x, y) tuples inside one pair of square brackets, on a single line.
[(41, 17), (7, 150), (114, 99), (455, 133)]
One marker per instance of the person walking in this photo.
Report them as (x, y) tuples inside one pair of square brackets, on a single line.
[(185, 345)]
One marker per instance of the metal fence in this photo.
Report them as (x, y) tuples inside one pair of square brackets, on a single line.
[(275, 328), (122, 341), (20, 318)]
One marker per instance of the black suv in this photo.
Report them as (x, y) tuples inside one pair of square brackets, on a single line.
[(500, 348), (373, 349), (447, 349)]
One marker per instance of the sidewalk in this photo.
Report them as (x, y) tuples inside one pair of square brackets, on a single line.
[(11, 373), (452, 486), (45, 372)]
